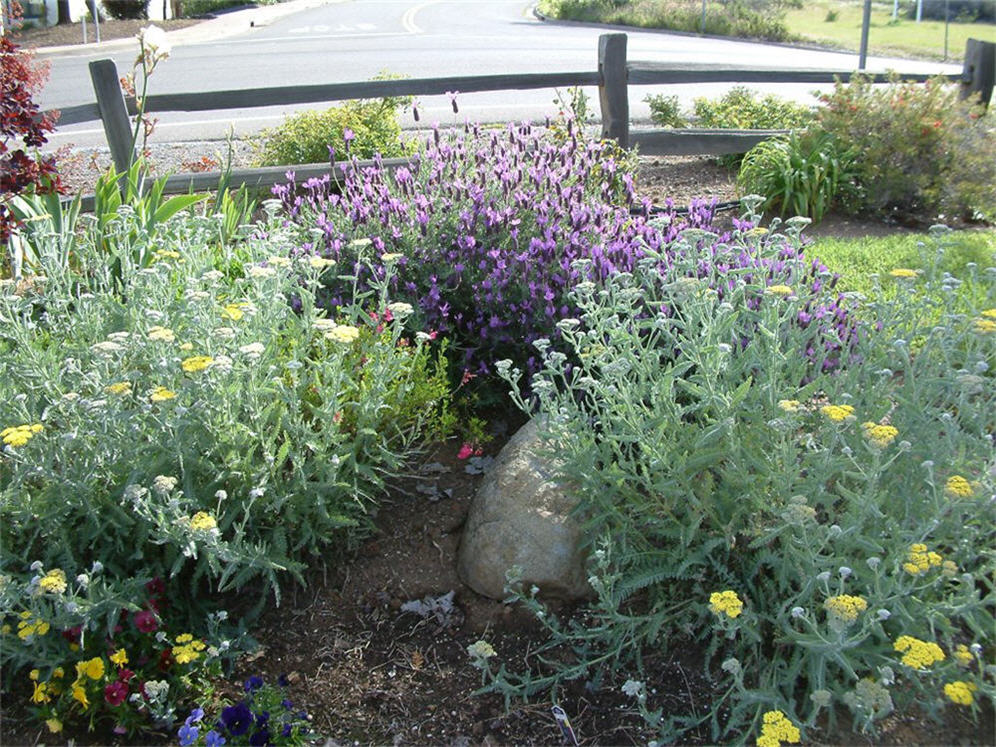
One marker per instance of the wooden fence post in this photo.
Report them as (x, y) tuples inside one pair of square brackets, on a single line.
[(113, 113), (612, 88), (979, 71)]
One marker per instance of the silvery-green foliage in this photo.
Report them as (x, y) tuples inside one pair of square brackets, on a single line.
[(710, 457), (208, 364)]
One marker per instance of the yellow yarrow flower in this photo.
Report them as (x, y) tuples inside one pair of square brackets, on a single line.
[(958, 487), (18, 435), (343, 333), (160, 254), (962, 655), (34, 674), (196, 363), (984, 326), (726, 602), (837, 413), (54, 725), (879, 434), (960, 692), (918, 654), (121, 388), (190, 651), (28, 627), (989, 314), (919, 560), (320, 263), (778, 290), (903, 272), (845, 607), (789, 405), (776, 729), (161, 394), (119, 658), (161, 334), (202, 521), (233, 311), (54, 581)]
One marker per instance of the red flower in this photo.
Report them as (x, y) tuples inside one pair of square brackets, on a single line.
[(156, 586), (466, 451), (125, 674), (165, 660), (146, 621), (116, 693)]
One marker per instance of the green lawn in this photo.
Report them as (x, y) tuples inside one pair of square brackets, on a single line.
[(857, 260), (903, 37)]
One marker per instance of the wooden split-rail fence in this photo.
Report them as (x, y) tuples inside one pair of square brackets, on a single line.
[(613, 77)]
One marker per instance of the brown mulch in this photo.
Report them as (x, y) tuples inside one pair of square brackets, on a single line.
[(72, 33)]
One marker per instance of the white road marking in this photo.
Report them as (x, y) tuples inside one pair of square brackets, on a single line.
[(408, 19)]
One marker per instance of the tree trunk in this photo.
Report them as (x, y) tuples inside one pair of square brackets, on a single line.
[(63, 6)]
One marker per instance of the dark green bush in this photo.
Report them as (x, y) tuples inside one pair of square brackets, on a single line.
[(921, 153), (126, 9), (306, 137)]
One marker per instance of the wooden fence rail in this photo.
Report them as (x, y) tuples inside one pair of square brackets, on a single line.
[(613, 77)]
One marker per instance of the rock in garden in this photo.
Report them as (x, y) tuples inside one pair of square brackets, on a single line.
[(521, 517)]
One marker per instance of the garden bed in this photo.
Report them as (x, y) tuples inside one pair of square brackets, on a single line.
[(371, 674)]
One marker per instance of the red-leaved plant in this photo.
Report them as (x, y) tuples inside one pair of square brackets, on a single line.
[(22, 129)]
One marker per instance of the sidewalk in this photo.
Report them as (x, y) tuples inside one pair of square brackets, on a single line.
[(223, 25)]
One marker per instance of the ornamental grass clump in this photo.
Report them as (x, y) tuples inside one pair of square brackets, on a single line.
[(197, 420), (826, 535), (488, 226)]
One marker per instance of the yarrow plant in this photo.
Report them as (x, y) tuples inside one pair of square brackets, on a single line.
[(799, 520)]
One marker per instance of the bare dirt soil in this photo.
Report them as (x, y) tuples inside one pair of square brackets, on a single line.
[(72, 33)]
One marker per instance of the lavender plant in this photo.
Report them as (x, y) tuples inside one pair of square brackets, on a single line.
[(828, 535), (487, 227)]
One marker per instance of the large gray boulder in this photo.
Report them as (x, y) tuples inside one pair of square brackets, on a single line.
[(520, 517)]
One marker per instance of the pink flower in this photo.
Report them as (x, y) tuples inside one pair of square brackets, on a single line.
[(466, 451), (146, 621)]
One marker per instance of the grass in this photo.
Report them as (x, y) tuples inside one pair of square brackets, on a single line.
[(904, 36), (857, 260)]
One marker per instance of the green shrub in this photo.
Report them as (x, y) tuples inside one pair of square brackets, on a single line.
[(740, 108), (307, 137), (798, 174), (665, 111), (921, 153), (197, 8), (828, 537), (203, 385), (756, 19)]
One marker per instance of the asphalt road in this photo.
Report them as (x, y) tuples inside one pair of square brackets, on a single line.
[(354, 40)]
